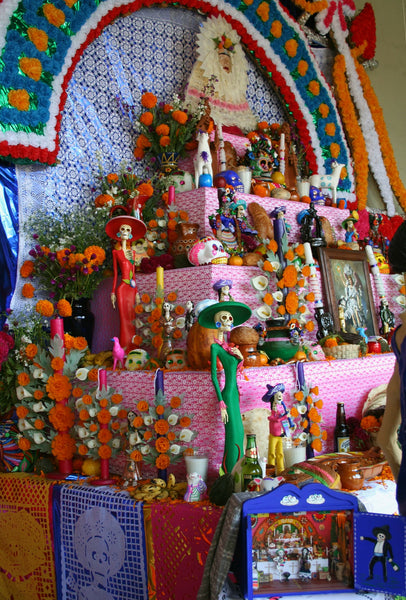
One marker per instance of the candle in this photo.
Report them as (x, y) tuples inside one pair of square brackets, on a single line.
[(171, 195), (160, 279), (375, 270), (314, 281), (159, 381), (57, 327), (282, 153), (102, 379)]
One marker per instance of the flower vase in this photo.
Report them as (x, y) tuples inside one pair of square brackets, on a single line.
[(81, 323), (168, 162), (278, 344)]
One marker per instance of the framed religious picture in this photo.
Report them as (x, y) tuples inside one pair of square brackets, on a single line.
[(347, 286)]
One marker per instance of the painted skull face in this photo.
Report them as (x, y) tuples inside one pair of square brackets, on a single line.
[(136, 359), (176, 360), (125, 232), (265, 162), (225, 319), (233, 179), (213, 252)]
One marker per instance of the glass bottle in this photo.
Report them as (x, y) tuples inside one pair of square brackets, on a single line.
[(251, 468), (341, 431)]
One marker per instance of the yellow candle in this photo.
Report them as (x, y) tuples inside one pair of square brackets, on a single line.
[(160, 278)]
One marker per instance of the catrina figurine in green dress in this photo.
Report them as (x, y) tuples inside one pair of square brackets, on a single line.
[(224, 316)]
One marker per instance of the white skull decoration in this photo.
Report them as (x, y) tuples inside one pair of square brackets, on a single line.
[(208, 250), (136, 359), (224, 320)]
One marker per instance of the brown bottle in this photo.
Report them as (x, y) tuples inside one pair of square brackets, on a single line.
[(341, 431)]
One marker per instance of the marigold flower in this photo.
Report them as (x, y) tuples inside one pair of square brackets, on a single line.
[(27, 268), (24, 444), (104, 402), (104, 451), (171, 436), (165, 141), (22, 412), (156, 314), (276, 29), (38, 394), (82, 450), (143, 142), (93, 375), (117, 398), (309, 326), (147, 436), (62, 417), (314, 415), (87, 399), (93, 427), (175, 402), (162, 461), (162, 129), (146, 118), (267, 266), (137, 422), (28, 290), (145, 189), (292, 303), (330, 343), (310, 297), (23, 378), (185, 422), (104, 436), (138, 153), (103, 200), (177, 334), (31, 351), (148, 100), (104, 416), (157, 341), (161, 426), (136, 456), (44, 308), (39, 424), (122, 413), (143, 406), (290, 276), (58, 387), (179, 116), (57, 363), (162, 445), (80, 343), (160, 409)]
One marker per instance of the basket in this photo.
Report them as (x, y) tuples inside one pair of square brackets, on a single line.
[(343, 351)]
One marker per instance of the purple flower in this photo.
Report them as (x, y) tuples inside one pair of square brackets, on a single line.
[(32, 253), (35, 236), (52, 282), (85, 270), (93, 256), (52, 294), (85, 261), (73, 248)]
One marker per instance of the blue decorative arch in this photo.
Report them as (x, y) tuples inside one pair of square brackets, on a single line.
[(54, 34)]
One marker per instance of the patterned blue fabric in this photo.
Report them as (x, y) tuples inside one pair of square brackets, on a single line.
[(99, 543), (8, 234)]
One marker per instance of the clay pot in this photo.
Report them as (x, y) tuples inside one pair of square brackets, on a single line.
[(246, 338), (186, 237), (198, 343), (352, 477)]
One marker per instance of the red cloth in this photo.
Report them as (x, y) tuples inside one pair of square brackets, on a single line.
[(181, 535)]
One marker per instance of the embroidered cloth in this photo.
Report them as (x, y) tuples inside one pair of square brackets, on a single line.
[(181, 537), (26, 550), (99, 544)]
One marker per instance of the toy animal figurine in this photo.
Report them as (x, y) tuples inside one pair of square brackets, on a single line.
[(118, 354), (203, 160), (196, 488), (328, 181)]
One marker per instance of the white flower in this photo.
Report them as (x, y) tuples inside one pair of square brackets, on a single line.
[(174, 449), (186, 435), (138, 323), (148, 420), (173, 419), (92, 412), (81, 374), (115, 442), (38, 437), (180, 322), (263, 312), (145, 450), (25, 339), (80, 404), (91, 444), (302, 408), (134, 438), (39, 407), (113, 410), (161, 223), (278, 295), (23, 425), (82, 432), (22, 393), (303, 436), (38, 373)]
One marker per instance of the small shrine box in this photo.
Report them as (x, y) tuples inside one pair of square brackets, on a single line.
[(314, 540)]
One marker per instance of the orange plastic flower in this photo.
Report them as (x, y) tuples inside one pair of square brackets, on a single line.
[(315, 429), (38, 394), (267, 266), (104, 436), (299, 395), (103, 416), (175, 402), (116, 398), (162, 445), (177, 334), (58, 387), (136, 455), (44, 308), (314, 416), (290, 276), (31, 350), (162, 461), (185, 422), (294, 412), (292, 303), (157, 341), (23, 378), (57, 363), (273, 246), (28, 290), (281, 310), (160, 409), (161, 426), (24, 444)]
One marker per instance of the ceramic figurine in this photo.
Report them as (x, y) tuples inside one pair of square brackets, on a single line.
[(223, 316), (207, 250), (203, 160), (223, 287), (189, 315), (125, 230), (351, 234), (246, 235), (223, 223), (387, 318), (196, 488), (136, 359), (277, 418), (328, 181)]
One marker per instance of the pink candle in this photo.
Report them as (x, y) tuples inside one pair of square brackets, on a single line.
[(171, 195), (57, 327), (102, 379)]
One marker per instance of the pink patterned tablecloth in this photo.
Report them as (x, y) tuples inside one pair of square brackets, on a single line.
[(348, 381)]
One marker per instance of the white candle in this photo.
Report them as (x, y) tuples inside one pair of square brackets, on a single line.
[(313, 280), (282, 153), (375, 270)]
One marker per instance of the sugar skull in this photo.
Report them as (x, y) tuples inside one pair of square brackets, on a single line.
[(207, 250), (232, 178), (136, 359), (176, 360)]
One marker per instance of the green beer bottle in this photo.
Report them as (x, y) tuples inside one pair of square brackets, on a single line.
[(250, 465)]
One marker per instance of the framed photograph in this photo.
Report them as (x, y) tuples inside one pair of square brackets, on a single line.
[(347, 286)]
